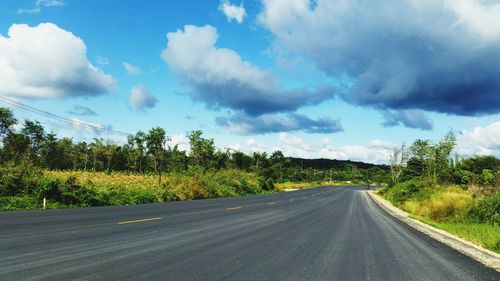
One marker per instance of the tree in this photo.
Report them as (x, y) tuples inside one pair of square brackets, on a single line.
[(397, 162), (7, 121), (202, 152), (109, 150), (136, 142), (155, 143), (439, 165), (35, 134), (420, 150)]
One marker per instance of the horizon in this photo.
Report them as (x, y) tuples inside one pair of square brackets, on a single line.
[(254, 79)]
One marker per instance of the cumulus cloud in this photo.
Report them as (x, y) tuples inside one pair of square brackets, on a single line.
[(131, 69), (480, 141), (46, 61), (409, 118), (82, 111), (270, 123), (222, 79), (375, 151), (181, 141), (39, 4), (140, 98), (232, 12), (437, 56)]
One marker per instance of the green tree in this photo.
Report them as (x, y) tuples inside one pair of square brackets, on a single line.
[(202, 152), (7, 121), (155, 143), (35, 134)]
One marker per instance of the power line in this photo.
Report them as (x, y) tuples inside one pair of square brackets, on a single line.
[(59, 118)]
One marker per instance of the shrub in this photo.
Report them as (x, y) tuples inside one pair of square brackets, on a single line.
[(486, 209), (487, 177), (11, 203), (403, 191), (18, 178)]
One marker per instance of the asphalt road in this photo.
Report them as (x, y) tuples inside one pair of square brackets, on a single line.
[(326, 233)]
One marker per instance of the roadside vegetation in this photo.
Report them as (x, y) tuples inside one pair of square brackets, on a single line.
[(36, 164), (461, 196)]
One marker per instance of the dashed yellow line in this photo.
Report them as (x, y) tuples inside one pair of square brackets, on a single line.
[(233, 208), (141, 220)]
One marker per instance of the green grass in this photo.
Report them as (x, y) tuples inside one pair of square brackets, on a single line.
[(485, 235)]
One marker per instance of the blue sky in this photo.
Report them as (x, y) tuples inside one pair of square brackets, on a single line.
[(314, 79)]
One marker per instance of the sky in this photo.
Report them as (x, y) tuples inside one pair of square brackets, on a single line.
[(316, 79)]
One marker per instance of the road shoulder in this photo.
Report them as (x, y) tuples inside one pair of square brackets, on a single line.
[(486, 257)]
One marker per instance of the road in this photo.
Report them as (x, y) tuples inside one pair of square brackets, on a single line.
[(325, 233)]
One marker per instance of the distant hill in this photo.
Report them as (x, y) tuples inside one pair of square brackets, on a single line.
[(326, 164)]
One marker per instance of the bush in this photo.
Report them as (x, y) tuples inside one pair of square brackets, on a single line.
[(487, 177), (18, 178), (486, 210), (403, 191), (11, 203)]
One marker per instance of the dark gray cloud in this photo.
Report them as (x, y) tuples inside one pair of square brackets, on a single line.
[(82, 111), (220, 78), (408, 118), (253, 101), (242, 123), (437, 56)]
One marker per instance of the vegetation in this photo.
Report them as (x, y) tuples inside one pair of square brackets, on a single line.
[(461, 196), (35, 164)]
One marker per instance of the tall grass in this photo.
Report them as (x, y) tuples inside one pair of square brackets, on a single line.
[(462, 212)]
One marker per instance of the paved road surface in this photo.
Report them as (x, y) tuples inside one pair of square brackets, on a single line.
[(326, 233)]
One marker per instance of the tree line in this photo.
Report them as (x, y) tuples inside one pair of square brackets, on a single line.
[(148, 152), (435, 164)]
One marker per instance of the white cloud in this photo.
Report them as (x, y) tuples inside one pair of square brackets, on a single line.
[(232, 12), (50, 3), (220, 78), (181, 141), (376, 151), (479, 141), (39, 4), (48, 62), (253, 146), (140, 98), (131, 69)]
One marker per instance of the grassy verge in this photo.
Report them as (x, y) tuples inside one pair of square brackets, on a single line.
[(485, 235), (67, 189), (464, 213), (304, 185)]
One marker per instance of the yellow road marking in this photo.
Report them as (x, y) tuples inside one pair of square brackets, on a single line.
[(270, 203), (233, 208), (141, 220)]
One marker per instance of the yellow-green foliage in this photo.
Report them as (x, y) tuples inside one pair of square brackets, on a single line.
[(445, 203), (295, 185), (304, 185), (475, 218), (173, 186)]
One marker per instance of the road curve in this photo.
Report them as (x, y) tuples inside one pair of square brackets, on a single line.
[(325, 233)]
